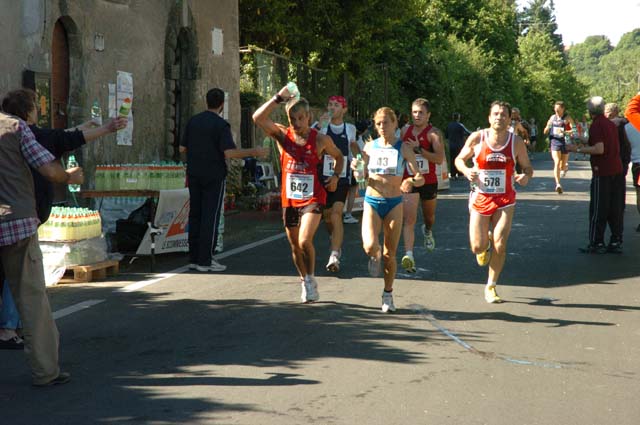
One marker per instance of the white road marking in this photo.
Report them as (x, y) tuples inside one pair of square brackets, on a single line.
[(426, 314), (75, 308), (158, 278), (161, 276)]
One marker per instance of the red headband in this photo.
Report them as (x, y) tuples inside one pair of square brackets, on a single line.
[(341, 100)]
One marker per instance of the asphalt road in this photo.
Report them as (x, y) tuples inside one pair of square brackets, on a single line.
[(239, 348)]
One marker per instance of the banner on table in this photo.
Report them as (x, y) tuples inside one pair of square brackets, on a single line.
[(172, 217)]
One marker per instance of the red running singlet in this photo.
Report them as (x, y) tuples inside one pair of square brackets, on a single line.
[(496, 167), (428, 169), (301, 185)]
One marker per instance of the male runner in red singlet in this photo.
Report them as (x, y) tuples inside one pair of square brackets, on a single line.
[(427, 144), (495, 152), (303, 194)]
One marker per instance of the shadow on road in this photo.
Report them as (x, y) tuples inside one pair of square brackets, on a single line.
[(132, 361)]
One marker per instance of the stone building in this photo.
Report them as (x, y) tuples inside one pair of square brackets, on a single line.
[(70, 50)]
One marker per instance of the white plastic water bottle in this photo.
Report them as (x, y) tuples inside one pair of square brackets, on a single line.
[(294, 92), (359, 173), (71, 162), (96, 113)]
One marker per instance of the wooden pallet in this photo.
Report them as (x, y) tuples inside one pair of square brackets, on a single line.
[(91, 272)]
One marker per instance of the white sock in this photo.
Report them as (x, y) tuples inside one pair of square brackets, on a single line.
[(410, 254), (336, 253), (491, 284)]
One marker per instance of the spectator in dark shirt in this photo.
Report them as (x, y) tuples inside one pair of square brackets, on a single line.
[(607, 183), (456, 133), (207, 143)]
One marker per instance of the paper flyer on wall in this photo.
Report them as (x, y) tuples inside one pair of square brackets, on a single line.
[(124, 89), (112, 100)]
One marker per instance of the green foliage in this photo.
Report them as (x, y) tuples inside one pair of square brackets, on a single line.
[(613, 73), (459, 54)]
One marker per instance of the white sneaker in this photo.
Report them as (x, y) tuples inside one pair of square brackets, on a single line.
[(214, 267), (429, 241), (349, 219), (374, 266), (309, 290), (559, 189), (387, 302), (334, 264), (193, 266)]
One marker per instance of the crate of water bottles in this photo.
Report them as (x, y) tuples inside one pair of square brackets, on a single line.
[(71, 224), (163, 176)]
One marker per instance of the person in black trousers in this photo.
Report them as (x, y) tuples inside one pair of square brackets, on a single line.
[(207, 143), (606, 205)]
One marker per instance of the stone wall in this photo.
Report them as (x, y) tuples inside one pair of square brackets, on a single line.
[(165, 44)]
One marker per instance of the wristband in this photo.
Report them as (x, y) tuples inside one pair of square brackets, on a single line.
[(277, 98)]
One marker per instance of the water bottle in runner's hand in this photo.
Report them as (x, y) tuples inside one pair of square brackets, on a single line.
[(293, 90)]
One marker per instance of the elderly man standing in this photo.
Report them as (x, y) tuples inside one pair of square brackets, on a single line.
[(19, 249), (607, 182)]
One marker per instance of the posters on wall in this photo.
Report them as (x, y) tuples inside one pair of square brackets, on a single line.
[(124, 89), (112, 100)]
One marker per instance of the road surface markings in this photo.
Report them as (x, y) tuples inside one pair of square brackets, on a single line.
[(427, 315), (75, 308), (161, 276)]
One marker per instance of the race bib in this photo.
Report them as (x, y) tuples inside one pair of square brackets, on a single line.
[(423, 164), (383, 161), (558, 131), (299, 186), (492, 181), (329, 163)]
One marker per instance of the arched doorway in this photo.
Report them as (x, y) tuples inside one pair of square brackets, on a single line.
[(181, 72), (59, 76)]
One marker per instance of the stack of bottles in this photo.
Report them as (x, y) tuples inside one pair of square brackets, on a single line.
[(71, 224), (140, 176)]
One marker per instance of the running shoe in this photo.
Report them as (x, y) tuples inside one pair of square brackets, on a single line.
[(559, 189), (598, 248), (349, 219), (334, 264), (387, 302), (491, 296), (375, 266), (214, 267), (429, 241), (615, 248), (563, 173), (484, 257), (193, 266), (409, 264), (309, 290)]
